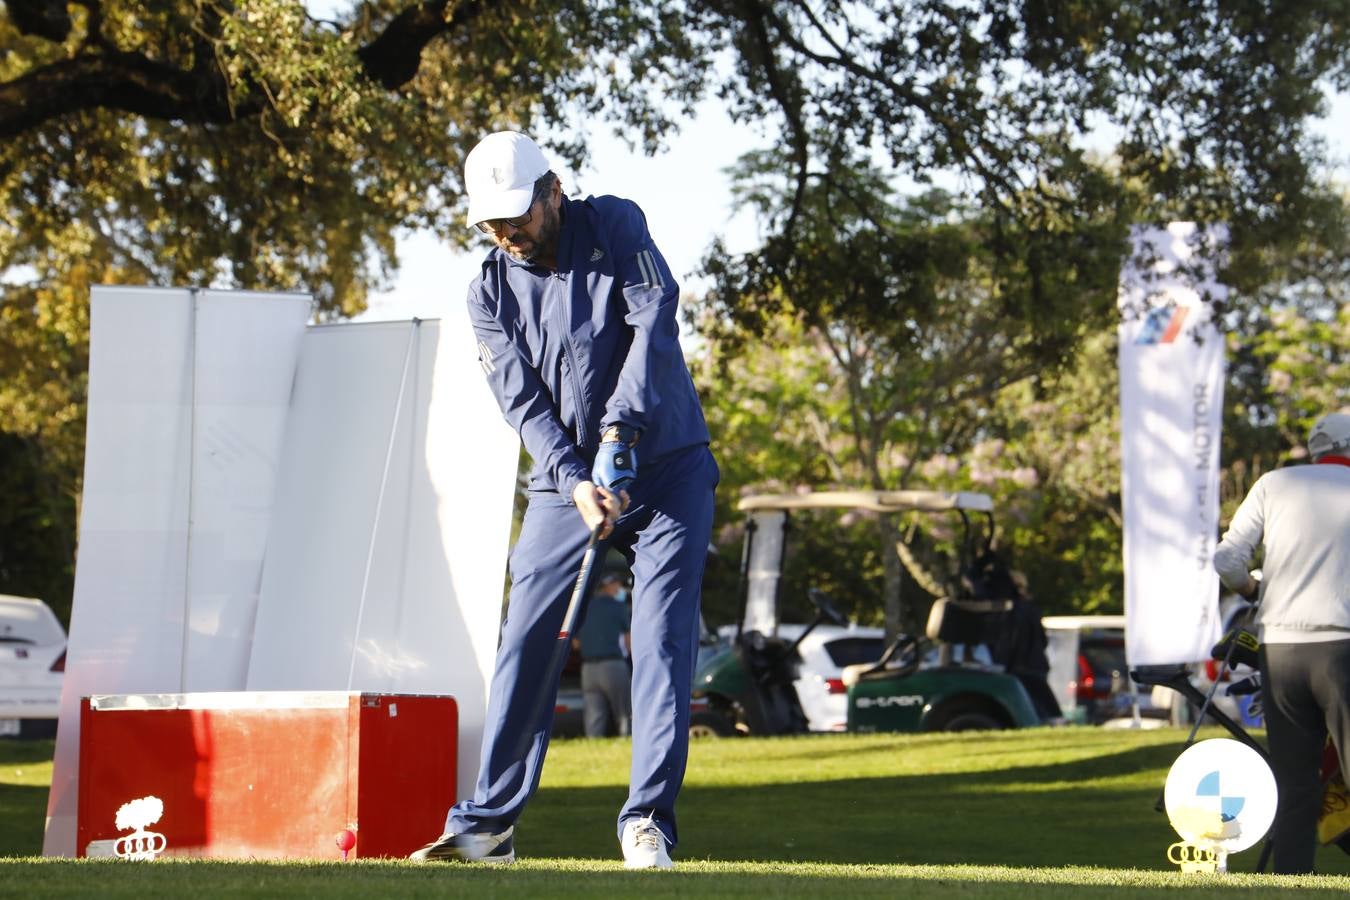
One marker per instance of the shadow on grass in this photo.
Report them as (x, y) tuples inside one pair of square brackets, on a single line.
[(23, 810), (18, 752), (23, 807), (1041, 815), (554, 878)]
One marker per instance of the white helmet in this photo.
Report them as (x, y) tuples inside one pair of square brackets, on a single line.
[(1329, 434)]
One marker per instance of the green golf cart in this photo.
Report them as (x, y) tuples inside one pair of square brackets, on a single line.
[(932, 682)]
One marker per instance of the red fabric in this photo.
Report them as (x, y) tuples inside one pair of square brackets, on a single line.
[(1334, 460), (1331, 762)]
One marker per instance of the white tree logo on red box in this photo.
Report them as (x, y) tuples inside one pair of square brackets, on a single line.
[(139, 815)]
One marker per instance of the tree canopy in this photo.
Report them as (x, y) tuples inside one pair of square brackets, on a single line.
[(291, 148), (904, 326), (250, 144)]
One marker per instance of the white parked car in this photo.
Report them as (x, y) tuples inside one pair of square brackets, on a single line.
[(824, 654), (32, 663)]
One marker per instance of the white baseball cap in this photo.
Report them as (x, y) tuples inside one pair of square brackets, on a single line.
[(499, 175), (1331, 432)]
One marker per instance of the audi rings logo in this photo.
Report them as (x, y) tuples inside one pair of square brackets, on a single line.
[(1183, 852), (1192, 858), (141, 845), (138, 815)]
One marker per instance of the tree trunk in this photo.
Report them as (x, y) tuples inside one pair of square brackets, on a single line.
[(892, 595)]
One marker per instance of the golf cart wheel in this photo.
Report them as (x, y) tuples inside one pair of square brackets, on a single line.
[(968, 717), (708, 724)]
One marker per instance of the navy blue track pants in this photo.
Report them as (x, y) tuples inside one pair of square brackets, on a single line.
[(664, 536)]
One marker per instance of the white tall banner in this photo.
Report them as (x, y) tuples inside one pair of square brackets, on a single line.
[(1171, 404), (188, 392), (386, 563)]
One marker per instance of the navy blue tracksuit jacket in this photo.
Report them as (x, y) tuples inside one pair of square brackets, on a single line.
[(592, 345)]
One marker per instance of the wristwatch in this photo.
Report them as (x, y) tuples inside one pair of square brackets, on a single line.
[(624, 434)]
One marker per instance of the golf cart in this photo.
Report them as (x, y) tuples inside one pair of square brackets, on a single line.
[(928, 683)]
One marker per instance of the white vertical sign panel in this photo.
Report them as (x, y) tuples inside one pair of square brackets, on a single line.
[(764, 571), (247, 345), (387, 560), (1171, 399), (186, 390), (347, 388)]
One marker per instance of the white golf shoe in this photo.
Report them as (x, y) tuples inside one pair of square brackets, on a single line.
[(644, 846), (484, 848)]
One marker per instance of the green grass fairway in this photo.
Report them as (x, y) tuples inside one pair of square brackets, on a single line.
[(1029, 814)]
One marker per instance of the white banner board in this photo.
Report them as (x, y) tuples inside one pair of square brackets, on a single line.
[(188, 392), (242, 397), (270, 507), (1171, 402), (386, 563)]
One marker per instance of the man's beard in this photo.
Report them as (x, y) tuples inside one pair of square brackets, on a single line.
[(547, 244)]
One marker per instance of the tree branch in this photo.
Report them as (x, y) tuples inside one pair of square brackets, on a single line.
[(757, 16), (124, 81), (392, 59), (47, 19), (971, 152), (103, 77)]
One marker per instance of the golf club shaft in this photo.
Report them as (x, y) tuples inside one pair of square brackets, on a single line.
[(1209, 697)]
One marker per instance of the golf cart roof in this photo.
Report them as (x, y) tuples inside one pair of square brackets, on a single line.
[(876, 501)]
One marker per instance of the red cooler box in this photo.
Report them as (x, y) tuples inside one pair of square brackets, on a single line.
[(264, 774)]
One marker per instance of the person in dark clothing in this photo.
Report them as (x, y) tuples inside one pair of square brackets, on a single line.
[(1019, 641), (606, 682)]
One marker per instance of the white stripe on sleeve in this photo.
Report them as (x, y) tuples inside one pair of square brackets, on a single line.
[(485, 359), (650, 270)]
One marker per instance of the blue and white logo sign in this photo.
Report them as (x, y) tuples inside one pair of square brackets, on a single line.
[(1220, 794)]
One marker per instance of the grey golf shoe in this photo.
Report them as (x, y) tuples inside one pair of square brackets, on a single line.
[(483, 848)]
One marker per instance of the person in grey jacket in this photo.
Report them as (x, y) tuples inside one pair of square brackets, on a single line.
[(1300, 515)]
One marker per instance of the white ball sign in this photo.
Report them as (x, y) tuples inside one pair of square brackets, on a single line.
[(1220, 794)]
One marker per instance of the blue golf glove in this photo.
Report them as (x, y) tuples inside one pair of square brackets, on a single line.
[(616, 461)]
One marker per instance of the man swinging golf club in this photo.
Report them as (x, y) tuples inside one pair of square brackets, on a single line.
[(1301, 515), (574, 311)]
